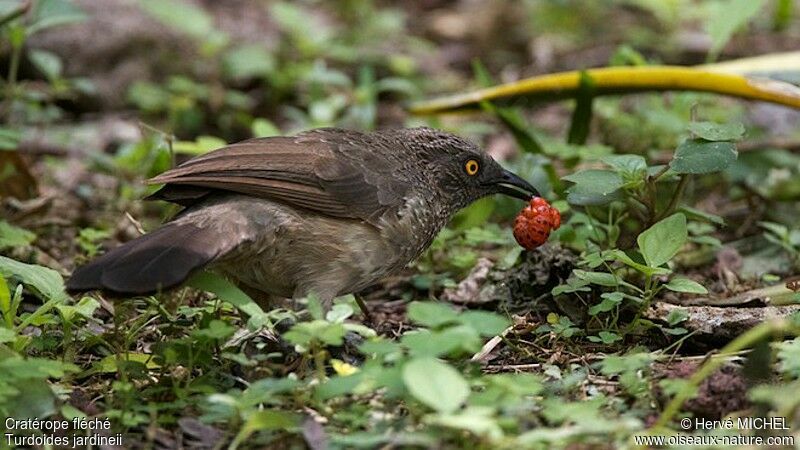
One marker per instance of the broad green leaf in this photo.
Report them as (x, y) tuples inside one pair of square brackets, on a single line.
[(264, 128), (599, 278), (626, 163), (182, 16), (47, 282), (48, 63), (686, 285), (12, 236), (725, 18), (229, 292), (304, 333), (435, 384), (593, 187), (622, 257), (476, 420), (663, 240), (484, 322), (7, 335), (698, 156), (248, 61), (50, 13), (444, 342), (85, 308), (711, 131), (431, 314)]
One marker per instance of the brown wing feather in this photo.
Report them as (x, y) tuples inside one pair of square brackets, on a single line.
[(304, 172)]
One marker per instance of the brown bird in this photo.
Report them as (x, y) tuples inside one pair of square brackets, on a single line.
[(328, 211)]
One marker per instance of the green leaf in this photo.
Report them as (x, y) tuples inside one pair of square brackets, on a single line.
[(622, 257), (711, 131), (440, 343), (599, 278), (248, 61), (725, 18), (431, 314), (693, 213), (698, 156), (663, 240), (484, 323), (304, 333), (50, 13), (229, 292), (476, 420), (181, 16), (48, 63), (9, 138), (435, 384), (201, 145), (606, 337), (610, 301), (47, 282), (264, 128), (109, 363), (12, 236), (626, 163), (686, 285), (593, 187)]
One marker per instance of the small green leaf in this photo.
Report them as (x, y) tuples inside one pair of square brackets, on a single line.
[(698, 156), (248, 61), (610, 301), (663, 240), (12, 236), (435, 384), (599, 278), (686, 285), (50, 13), (182, 16), (264, 128), (47, 282), (229, 292), (593, 187), (431, 314), (711, 131), (48, 63), (725, 18), (484, 323), (626, 163)]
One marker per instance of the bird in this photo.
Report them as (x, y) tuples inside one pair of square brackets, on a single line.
[(326, 212)]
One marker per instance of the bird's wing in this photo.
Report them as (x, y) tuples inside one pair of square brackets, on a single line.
[(304, 171)]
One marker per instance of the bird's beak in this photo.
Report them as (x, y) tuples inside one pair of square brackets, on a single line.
[(514, 186)]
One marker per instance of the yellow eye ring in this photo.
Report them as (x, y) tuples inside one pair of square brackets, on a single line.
[(471, 167)]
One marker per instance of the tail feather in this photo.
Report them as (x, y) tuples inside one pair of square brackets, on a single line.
[(159, 260)]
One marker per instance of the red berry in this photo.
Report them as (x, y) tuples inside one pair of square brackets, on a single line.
[(533, 224)]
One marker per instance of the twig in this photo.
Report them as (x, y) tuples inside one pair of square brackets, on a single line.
[(489, 346)]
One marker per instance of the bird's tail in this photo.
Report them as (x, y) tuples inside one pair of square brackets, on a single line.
[(158, 260)]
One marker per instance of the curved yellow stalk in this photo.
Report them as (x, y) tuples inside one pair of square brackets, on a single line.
[(617, 80)]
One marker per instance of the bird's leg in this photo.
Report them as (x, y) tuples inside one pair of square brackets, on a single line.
[(363, 307)]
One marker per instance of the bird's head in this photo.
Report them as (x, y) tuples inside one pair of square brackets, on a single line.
[(461, 171)]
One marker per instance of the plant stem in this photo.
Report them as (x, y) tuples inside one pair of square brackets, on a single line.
[(676, 198), (777, 327)]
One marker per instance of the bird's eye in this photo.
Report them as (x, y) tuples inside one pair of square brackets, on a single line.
[(471, 167)]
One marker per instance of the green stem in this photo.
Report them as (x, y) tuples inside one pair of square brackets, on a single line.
[(676, 198), (744, 341), (16, 12)]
